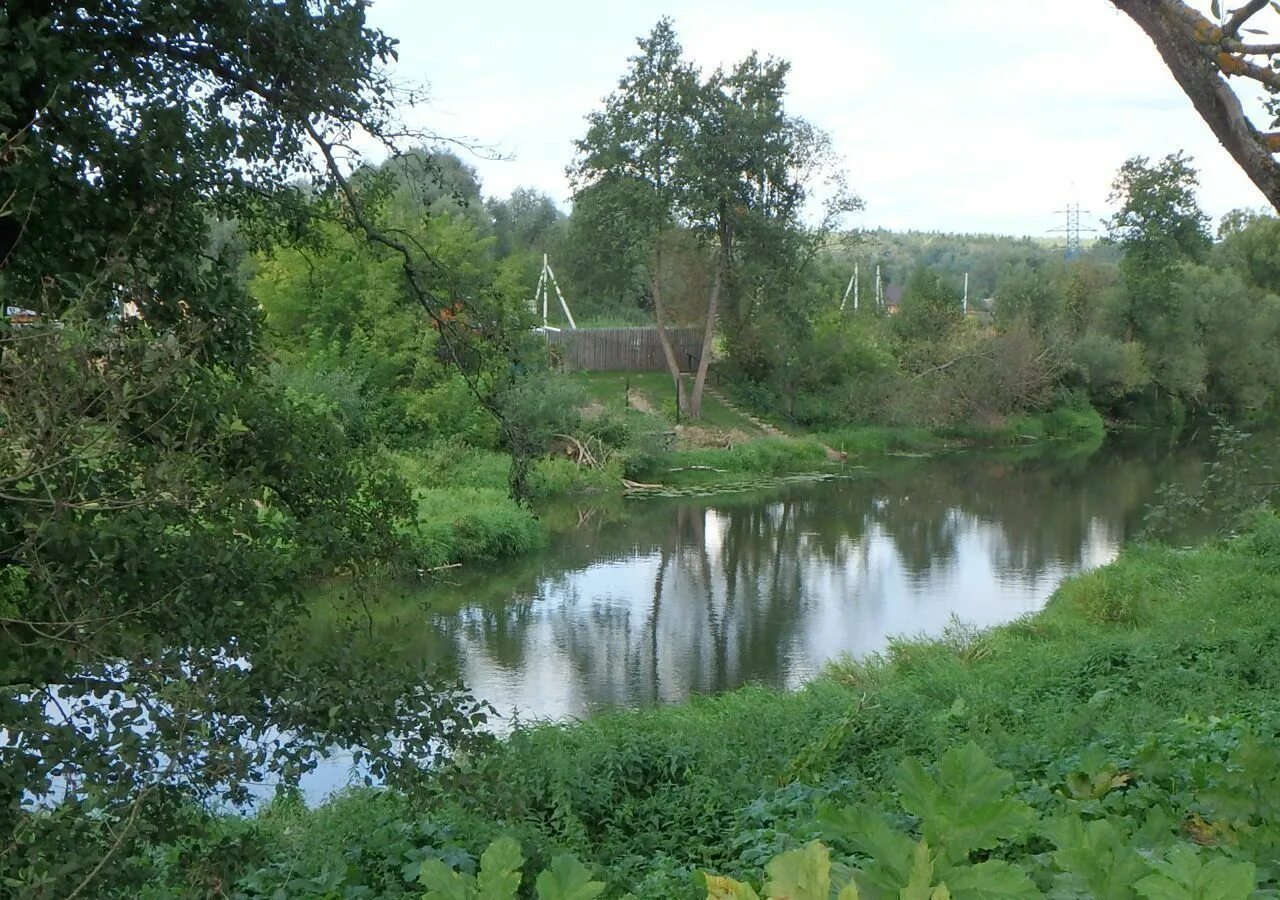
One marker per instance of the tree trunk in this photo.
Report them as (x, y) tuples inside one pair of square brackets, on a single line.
[(664, 340), (1173, 27), (709, 329)]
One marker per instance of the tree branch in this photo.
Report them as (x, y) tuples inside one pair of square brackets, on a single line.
[(1242, 15), (1191, 47)]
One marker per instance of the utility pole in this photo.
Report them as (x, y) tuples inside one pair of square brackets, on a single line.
[(879, 289), (541, 293), (964, 303)]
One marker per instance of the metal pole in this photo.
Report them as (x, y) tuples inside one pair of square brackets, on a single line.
[(537, 294), (545, 269), (563, 304)]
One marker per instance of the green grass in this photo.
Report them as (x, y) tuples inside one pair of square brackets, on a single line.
[(864, 441), (610, 389), (764, 457), (1155, 647)]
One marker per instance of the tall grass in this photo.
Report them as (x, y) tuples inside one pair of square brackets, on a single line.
[(1134, 656)]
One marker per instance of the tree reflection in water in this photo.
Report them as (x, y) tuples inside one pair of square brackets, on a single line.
[(688, 597)]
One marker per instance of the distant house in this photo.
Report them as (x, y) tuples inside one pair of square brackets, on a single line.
[(893, 298), (19, 316)]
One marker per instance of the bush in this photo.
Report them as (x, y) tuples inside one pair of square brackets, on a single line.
[(766, 456), (469, 524), (1110, 369)]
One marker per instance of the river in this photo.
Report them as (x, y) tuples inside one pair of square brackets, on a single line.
[(657, 600)]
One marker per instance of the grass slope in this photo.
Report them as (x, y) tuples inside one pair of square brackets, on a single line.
[(1154, 666)]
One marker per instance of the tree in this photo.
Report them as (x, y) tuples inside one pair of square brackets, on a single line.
[(930, 310), (637, 145), (159, 504), (718, 157), (100, 192), (1254, 248), (605, 249), (527, 221), (1238, 329), (752, 169), (1202, 54), (1160, 228), (1031, 295)]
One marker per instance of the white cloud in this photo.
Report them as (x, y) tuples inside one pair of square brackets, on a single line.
[(973, 116)]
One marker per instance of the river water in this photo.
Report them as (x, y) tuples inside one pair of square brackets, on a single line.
[(654, 601)]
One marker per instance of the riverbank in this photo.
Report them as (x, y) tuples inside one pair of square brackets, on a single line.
[(1140, 704), (633, 443)]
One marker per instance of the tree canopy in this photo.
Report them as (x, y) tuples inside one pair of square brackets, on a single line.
[(717, 156)]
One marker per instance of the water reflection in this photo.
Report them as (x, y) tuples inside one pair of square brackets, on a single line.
[(680, 598)]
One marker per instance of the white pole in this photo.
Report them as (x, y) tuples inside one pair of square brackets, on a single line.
[(855, 287), (965, 302), (545, 269), (879, 290), (848, 289), (537, 293), (563, 304)]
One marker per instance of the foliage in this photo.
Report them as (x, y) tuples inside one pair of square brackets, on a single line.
[(1159, 225), (674, 158), (118, 197), (159, 514), (1106, 741), (930, 308), (1236, 484), (499, 877)]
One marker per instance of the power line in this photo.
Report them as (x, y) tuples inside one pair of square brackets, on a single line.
[(1072, 228)]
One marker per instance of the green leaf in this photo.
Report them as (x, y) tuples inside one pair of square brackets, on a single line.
[(1184, 875), (443, 883), (965, 808), (848, 892), (867, 832), (499, 877), (994, 879), (919, 885), (721, 888), (1096, 859), (803, 874), (567, 879), (1216, 9)]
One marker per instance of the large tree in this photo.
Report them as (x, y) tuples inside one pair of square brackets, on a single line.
[(1203, 54), (158, 507), (1160, 225), (1161, 228), (717, 157), (634, 151)]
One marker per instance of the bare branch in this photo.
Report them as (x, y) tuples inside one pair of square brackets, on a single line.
[(1242, 15)]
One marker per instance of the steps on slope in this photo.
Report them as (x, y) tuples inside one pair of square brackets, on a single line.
[(767, 427)]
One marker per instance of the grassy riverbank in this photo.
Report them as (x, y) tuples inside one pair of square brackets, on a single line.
[(465, 513), (1141, 703)]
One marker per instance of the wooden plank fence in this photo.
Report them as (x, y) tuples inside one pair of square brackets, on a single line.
[(623, 349)]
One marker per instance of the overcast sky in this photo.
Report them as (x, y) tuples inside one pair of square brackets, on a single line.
[(981, 115)]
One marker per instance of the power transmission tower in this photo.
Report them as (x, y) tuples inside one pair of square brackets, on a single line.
[(1072, 228)]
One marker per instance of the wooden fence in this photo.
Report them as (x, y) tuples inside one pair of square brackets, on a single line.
[(619, 349)]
